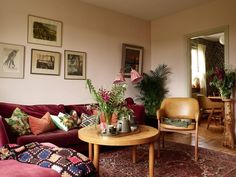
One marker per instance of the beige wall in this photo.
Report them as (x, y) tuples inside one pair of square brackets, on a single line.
[(168, 42), (97, 31)]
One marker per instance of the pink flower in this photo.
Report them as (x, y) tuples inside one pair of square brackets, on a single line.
[(105, 95)]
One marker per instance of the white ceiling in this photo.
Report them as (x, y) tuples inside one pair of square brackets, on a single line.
[(147, 9)]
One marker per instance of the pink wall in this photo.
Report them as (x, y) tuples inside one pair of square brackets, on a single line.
[(168, 42), (97, 31)]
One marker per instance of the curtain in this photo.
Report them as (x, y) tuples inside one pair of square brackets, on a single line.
[(198, 67), (201, 49)]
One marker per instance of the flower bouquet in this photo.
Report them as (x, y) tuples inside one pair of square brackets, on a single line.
[(109, 102), (223, 80)]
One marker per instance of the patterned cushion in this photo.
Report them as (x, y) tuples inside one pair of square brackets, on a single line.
[(63, 121), (42, 125), (88, 120), (19, 122)]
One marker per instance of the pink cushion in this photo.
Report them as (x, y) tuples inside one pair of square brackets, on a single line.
[(10, 168), (42, 125)]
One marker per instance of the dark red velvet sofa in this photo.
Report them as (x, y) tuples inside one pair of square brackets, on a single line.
[(67, 139)]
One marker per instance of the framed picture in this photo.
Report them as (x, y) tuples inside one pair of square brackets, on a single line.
[(12, 60), (45, 62), (132, 57), (44, 31), (75, 65)]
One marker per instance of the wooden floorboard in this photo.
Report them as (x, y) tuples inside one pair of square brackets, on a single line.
[(211, 138)]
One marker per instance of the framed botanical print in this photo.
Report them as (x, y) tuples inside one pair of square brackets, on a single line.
[(12, 59), (44, 31), (75, 65), (45, 62), (132, 58)]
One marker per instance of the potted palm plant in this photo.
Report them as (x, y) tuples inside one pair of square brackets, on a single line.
[(152, 90)]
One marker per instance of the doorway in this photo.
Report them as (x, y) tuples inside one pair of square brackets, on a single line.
[(206, 50)]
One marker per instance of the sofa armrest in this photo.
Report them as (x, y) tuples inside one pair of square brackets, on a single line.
[(3, 134), (139, 113)]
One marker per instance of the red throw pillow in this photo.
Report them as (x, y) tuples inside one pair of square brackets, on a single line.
[(42, 125)]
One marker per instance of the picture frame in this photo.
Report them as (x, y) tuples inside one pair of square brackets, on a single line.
[(45, 62), (44, 31), (75, 65), (12, 59), (132, 58)]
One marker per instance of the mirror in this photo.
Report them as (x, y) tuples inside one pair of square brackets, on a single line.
[(206, 50)]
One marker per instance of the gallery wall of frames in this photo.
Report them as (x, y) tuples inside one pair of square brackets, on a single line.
[(45, 31)]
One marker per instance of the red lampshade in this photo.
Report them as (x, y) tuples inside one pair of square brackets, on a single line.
[(135, 76), (119, 78)]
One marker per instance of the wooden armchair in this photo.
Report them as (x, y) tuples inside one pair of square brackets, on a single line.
[(179, 109), (212, 108)]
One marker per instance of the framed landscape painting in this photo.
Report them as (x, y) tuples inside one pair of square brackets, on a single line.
[(132, 57), (44, 31), (75, 65), (12, 60), (45, 62)]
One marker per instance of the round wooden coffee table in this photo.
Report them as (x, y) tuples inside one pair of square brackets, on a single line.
[(145, 135)]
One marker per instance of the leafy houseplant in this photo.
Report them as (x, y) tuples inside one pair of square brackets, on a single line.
[(108, 101), (152, 89), (223, 80)]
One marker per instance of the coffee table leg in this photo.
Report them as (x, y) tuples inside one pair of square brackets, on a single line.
[(134, 154), (96, 157), (90, 151), (151, 160)]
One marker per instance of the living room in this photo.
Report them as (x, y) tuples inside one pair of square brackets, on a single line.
[(100, 33)]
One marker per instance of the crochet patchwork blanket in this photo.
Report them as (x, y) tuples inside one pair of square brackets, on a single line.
[(65, 161)]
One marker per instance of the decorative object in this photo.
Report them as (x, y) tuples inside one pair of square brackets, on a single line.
[(152, 89), (45, 62), (12, 60), (132, 58), (63, 121), (224, 80), (134, 75), (108, 101), (228, 136), (176, 160), (44, 31), (75, 65)]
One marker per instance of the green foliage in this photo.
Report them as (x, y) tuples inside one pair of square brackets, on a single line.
[(108, 101), (152, 89)]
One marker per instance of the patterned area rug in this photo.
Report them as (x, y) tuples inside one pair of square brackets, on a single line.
[(177, 160)]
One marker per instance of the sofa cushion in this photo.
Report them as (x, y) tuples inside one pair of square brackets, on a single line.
[(19, 122), (42, 125), (58, 137), (63, 121), (10, 168), (88, 120), (79, 108)]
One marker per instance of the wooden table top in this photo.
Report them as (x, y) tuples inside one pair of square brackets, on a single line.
[(145, 134)]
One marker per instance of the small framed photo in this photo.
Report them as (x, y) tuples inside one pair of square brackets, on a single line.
[(12, 59), (44, 31), (45, 62), (75, 65), (132, 57)]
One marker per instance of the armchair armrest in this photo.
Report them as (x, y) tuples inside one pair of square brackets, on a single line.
[(160, 113)]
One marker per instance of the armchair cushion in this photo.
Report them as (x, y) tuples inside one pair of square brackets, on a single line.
[(177, 122)]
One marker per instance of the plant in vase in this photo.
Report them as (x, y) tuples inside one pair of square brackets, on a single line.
[(223, 79), (108, 102)]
